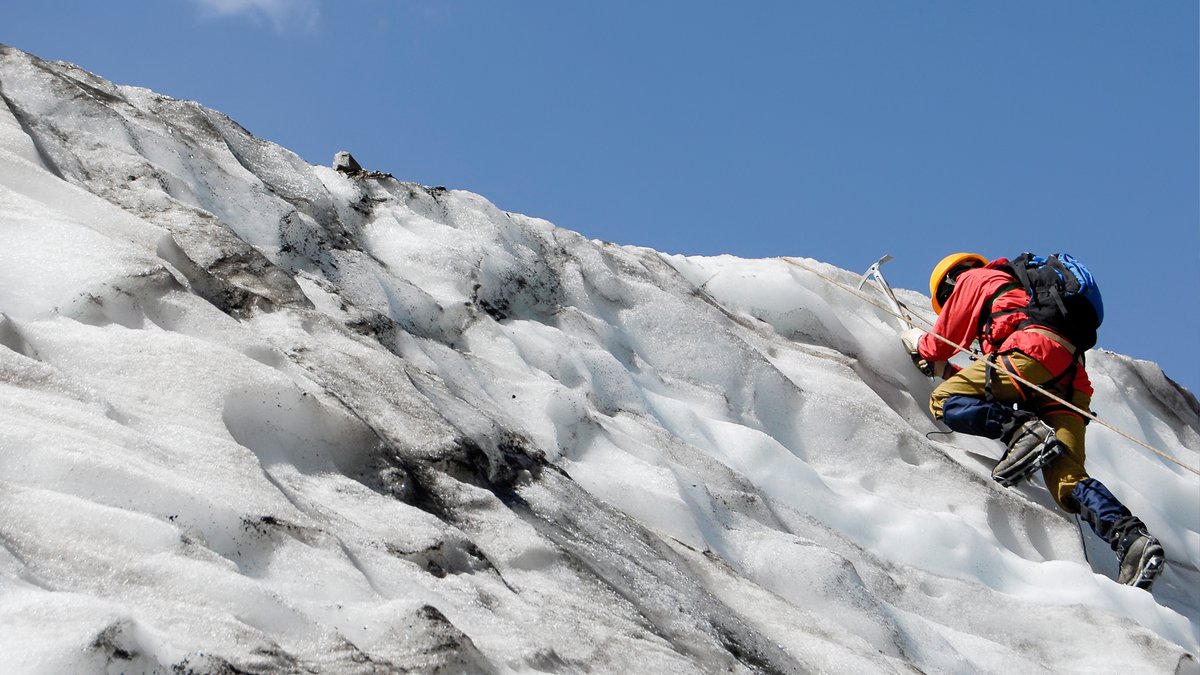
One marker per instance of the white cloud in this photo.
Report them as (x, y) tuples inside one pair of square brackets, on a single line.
[(283, 14)]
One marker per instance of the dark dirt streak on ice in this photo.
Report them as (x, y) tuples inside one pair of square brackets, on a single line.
[(224, 269), (586, 545), (20, 116), (583, 527)]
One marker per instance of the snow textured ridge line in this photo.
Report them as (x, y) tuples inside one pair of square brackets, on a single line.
[(401, 429)]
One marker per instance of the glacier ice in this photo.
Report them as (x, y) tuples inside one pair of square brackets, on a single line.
[(261, 416)]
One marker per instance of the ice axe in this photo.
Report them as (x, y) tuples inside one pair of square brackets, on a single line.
[(882, 284)]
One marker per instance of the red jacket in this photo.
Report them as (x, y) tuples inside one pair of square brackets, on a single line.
[(959, 323)]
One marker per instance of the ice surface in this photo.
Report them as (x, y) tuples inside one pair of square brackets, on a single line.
[(260, 416)]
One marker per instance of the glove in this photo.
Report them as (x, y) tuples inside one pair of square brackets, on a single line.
[(911, 339), (943, 369)]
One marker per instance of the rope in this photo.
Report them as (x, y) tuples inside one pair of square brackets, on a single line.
[(1085, 413), (1082, 539)]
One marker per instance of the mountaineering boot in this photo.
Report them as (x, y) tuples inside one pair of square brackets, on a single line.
[(1139, 554), (1030, 446)]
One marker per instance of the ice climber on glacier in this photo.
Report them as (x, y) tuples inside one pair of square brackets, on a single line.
[(1028, 325)]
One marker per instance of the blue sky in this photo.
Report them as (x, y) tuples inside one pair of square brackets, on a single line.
[(834, 130)]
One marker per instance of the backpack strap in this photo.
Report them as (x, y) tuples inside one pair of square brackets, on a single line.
[(1058, 300), (1051, 335), (1069, 280), (987, 317), (1019, 269)]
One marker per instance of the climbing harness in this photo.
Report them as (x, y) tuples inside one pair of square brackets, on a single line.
[(907, 317)]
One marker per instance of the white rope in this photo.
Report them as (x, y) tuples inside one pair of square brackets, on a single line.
[(990, 364)]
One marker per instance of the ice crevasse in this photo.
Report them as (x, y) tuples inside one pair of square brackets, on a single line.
[(263, 416)]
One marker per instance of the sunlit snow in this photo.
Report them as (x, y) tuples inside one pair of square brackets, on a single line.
[(262, 416)]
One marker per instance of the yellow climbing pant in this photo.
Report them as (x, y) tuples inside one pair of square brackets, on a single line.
[(1062, 474)]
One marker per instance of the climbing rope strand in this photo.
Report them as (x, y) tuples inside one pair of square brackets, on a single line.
[(1015, 376), (919, 317)]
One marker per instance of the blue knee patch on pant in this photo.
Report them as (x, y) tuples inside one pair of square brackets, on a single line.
[(969, 415)]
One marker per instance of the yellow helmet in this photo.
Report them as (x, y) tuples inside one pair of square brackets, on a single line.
[(943, 269)]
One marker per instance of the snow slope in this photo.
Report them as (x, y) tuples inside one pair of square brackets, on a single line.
[(259, 416)]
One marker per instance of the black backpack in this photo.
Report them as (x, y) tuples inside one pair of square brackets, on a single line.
[(1063, 296)]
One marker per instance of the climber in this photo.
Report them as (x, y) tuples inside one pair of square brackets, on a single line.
[(1033, 317)]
